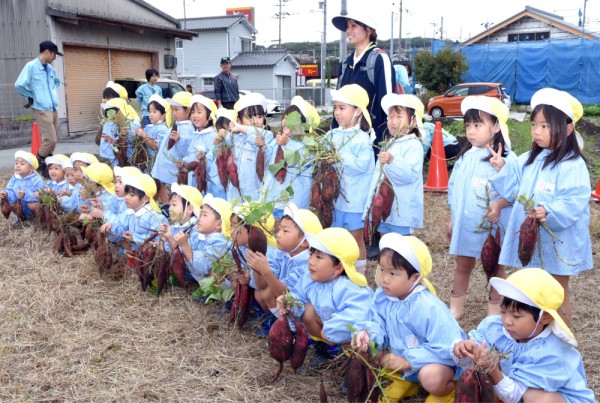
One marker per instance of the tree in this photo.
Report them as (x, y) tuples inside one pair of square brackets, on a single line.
[(440, 72)]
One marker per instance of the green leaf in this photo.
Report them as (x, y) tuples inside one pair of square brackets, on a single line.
[(309, 141), (293, 120), (216, 295), (206, 282), (290, 190), (273, 168), (351, 328), (254, 216), (291, 157), (228, 294), (372, 348)]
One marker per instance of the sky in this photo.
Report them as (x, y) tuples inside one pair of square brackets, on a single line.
[(459, 19)]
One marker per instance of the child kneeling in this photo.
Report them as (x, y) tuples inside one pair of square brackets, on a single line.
[(407, 317), (541, 362)]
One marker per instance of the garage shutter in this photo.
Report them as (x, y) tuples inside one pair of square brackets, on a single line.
[(129, 64), (86, 74)]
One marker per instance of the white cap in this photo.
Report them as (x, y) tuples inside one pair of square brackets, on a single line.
[(340, 22)]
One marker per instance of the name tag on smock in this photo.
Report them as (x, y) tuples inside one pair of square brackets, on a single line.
[(545, 187), (412, 341), (479, 182)]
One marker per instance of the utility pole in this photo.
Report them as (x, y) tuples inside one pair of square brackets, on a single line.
[(442, 28), (400, 32), (583, 23), (392, 38), (279, 43), (343, 39), (323, 51), (184, 17)]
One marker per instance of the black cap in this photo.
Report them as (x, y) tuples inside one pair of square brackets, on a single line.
[(51, 46), (225, 60)]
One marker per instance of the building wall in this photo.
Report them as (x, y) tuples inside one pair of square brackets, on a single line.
[(200, 57), (113, 9), (236, 32), (268, 81), (527, 25)]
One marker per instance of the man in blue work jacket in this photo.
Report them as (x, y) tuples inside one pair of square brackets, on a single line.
[(38, 82)]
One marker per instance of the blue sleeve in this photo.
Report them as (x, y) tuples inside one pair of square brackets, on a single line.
[(407, 165), (352, 302), (374, 324), (33, 185), (218, 88), (572, 195), (11, 193), (159, 91), (202, 259), (299, 291), (22, 83), (507, 181), (146, 226), (356, 155), (139, 94)]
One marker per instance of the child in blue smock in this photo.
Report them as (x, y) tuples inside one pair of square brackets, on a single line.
[(277, 273), (210, 242), (553, 174), (142, 217), (539, 360), (161, 119), (215, 186), (102, 184), (471, 182), (165, 165), (184, 208), (406, 317), (57, 182), (117, 110), (401, 162), (203, 116), (24, 185), (248, 135), (332, 292), (356, 165), (289, 142)]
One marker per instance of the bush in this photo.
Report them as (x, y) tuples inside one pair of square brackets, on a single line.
[(440, 72), (591, 110)]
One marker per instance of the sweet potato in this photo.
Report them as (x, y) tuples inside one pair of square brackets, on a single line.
[(232, 173), (161, 266), (490, 252), (474, 386), (300, 345), (260, 164), (326, 214), (371, 390), (376, 211), (528, 233), (355, 380), (178, 266), (171, 142), (281, 342), (322, 392), (200, 173), (315, 196), (257, 240), (221, 160), (330, 182), (182, 175), (5, 208), (281, 174), (387, 194), (19, 209)]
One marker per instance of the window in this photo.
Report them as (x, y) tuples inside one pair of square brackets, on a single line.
[(208, 82), (246, 45), (479, 89), (530, 36), (178, 43)]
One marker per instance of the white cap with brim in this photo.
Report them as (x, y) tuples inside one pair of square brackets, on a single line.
[(564, 102), (251, 99), (83, 157), (341, 22), (29, 157), (490, 105), (355, 95), (53, 160), (142, 182), (226, 113), (537, 288), (406, 101)]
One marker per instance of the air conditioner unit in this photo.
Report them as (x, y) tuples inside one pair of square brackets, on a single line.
[(170, 62)]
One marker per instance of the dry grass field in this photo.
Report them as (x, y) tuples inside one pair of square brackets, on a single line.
[(68, 334)]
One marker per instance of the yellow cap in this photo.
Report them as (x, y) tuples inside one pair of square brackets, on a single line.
[(310, 112), (29, 157), (119, 89), (182, 98), (305, 219), (146, 184), (414, 251), (406, 101), (126, 171), (353, 94), (166, 105), (189, 193), (223, 207), (102, 174), (490, 105), (56, 159), (537, 287), (340, 243)]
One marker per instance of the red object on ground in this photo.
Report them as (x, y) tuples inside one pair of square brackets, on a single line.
[(596, 193), (437, 177), (36, 140)]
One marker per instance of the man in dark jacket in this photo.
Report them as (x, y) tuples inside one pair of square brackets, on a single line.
[(226, 86)]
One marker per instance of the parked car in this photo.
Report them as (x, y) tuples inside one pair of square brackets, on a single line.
[(448, 104), (272, 105), (168, 87)]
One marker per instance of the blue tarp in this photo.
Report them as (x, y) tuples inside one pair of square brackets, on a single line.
[(524, 67)]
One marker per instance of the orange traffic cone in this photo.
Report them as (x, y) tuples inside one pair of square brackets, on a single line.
[(437, 177), (36, 140), (596, 193)]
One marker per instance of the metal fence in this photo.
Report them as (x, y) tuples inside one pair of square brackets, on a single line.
[(11, 103)]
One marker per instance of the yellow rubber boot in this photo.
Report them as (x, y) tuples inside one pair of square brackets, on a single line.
[(449, 398), (398, 389)]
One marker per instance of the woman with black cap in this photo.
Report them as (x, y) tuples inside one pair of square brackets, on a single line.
[(368, 66)]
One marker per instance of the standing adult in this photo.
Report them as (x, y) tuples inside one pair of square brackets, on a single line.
[(38, 82), (368, 66), (145, 91), (226, 86)]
